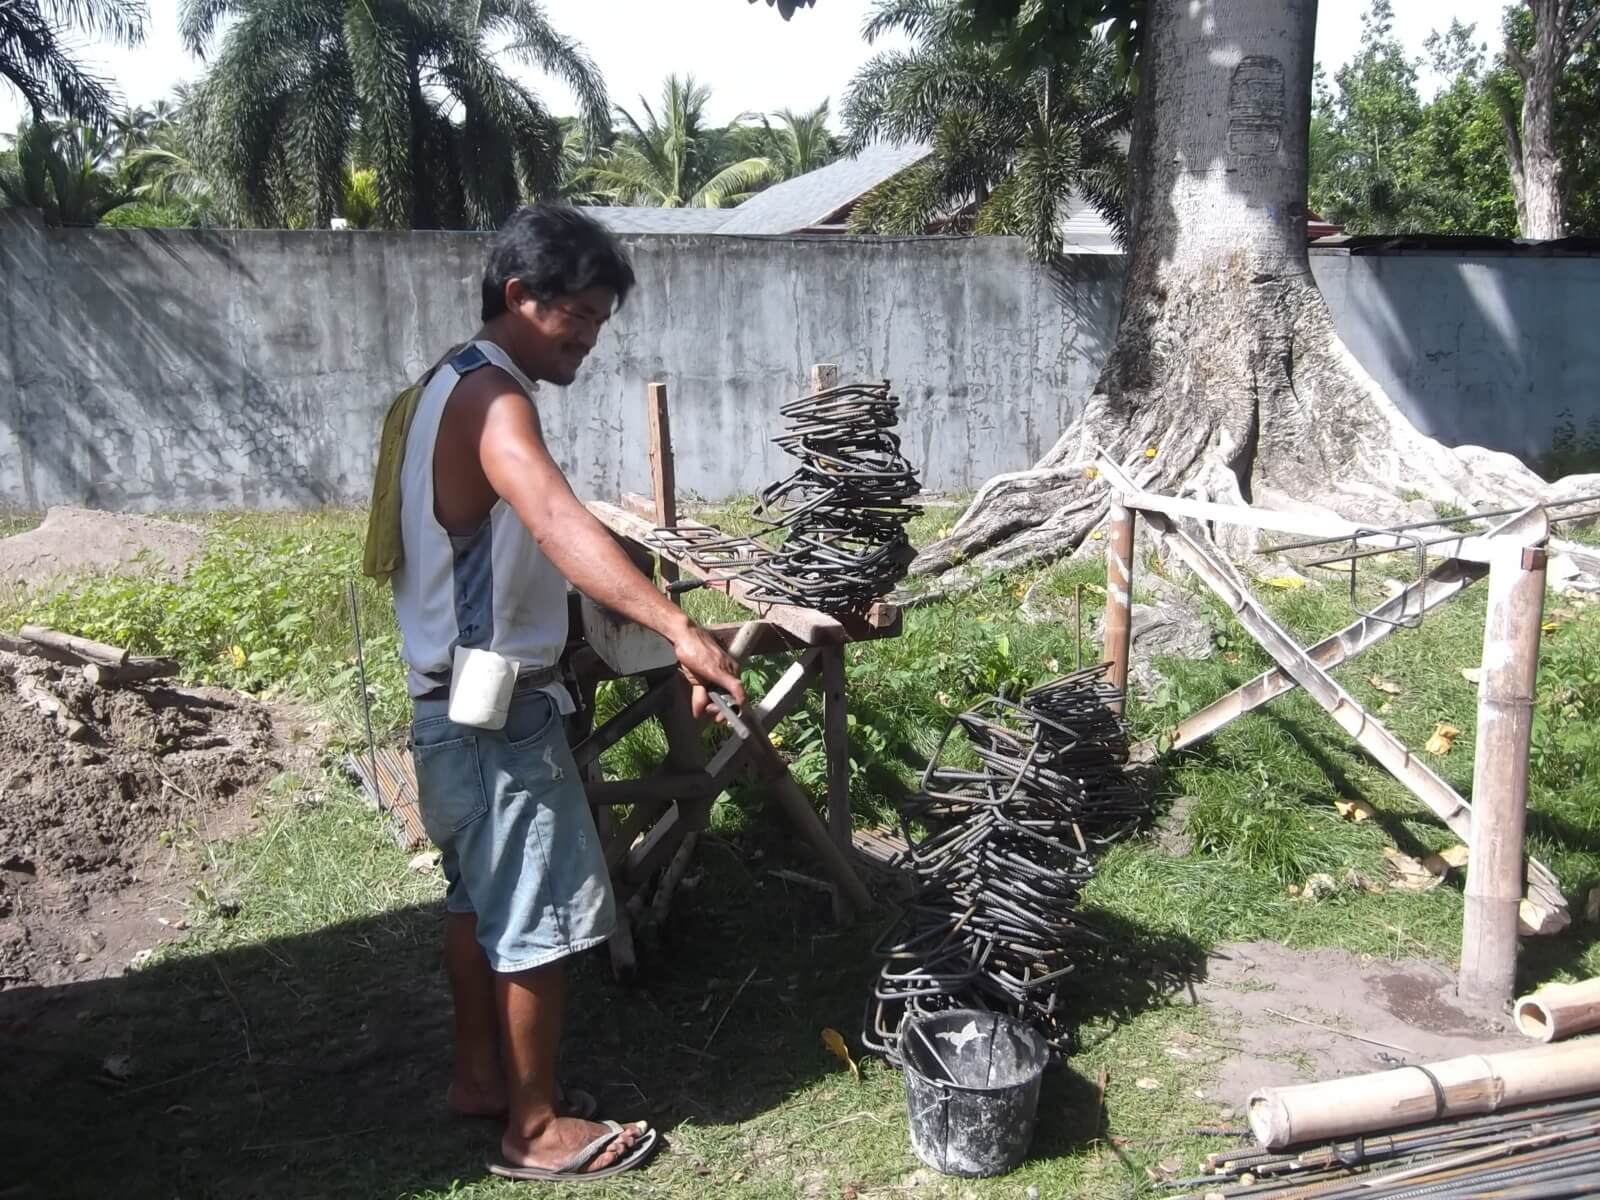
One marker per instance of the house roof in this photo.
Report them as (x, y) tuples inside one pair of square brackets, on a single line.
[(620, 219), (810, 199)]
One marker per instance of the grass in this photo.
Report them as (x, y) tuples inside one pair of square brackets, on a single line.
[(300, 1041)]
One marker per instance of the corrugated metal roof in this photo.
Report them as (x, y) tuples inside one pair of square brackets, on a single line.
[(620, 219), (1085, 231), (809, 199)]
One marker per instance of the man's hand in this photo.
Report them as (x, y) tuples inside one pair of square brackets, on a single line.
[(707, 665)]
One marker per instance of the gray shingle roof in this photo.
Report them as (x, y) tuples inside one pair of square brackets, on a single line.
[(805, 200), (659, 220)]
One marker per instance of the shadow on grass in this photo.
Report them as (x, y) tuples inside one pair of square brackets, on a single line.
[(314, 1065)]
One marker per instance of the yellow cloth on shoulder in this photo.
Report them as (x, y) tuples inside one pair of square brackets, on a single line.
[(384, 551)]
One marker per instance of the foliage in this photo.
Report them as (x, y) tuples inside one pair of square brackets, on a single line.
[(676, 158), (64, 169), (1383, 161), (799, 142), (163, 164), (1010, 150), (1032, 35), (455, 141), (359, 207), (1576, 107), (36, 57)]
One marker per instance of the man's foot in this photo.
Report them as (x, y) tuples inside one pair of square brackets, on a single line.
[(554, 1145), (470, 1098)]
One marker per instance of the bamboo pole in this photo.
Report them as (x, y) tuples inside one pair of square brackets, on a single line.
[(1559, 1010), (1500, 771), (1119, 598), (1478, 1083)]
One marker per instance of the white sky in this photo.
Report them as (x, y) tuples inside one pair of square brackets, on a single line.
[(751, 58)]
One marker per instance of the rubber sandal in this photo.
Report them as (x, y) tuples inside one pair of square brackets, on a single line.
[(572, 1171)]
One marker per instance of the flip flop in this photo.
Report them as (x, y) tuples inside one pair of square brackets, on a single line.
[(572, 1171)]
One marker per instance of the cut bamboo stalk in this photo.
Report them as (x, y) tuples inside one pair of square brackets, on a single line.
[(1500, 770), (135, 670), (1559, 1010), (1478, 1083)]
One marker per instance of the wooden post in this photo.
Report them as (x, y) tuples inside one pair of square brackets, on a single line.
[(663, 476), (836, 743), (1119, 597), (823, 377), (1500, 770)]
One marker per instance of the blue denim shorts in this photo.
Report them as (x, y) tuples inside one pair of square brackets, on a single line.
[(507, 809)]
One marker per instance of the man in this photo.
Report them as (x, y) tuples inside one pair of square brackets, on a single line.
[(491, 534)]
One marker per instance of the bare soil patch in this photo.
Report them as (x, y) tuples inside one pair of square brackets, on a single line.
[(1409, 1004), (90, 872), (77, 541)]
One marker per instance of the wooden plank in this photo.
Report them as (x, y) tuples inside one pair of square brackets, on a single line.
[(1446, 581), (824, 377), (784, 697), (1506, 699), (663, 474), (1119, 599), (836, 743), (85, 648), (811, 627), (618, 727)]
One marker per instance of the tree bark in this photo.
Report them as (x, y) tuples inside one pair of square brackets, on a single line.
[(1531, 149), (1227, 380)]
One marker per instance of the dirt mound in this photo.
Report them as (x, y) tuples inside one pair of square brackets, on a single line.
[(75, 541), (82, 820)]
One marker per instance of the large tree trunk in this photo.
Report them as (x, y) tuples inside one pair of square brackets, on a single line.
[(1531, 142), (1227, 380)]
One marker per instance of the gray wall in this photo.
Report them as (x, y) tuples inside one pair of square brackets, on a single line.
[(1484, 349), (147, 369), (143, 369)]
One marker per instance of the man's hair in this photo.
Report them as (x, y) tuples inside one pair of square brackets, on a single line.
[(555, 251)]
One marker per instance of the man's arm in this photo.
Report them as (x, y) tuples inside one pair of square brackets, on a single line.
[(519, 467)]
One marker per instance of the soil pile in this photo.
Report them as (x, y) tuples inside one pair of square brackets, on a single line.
[(75, 541), (82, 820)]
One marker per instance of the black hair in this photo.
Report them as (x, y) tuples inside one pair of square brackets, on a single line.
[(555, 250)]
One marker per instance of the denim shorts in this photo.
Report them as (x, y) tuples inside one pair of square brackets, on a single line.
[(507, 809)]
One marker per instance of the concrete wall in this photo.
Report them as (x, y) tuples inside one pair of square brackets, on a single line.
[(144, 369), (1488, 350), (147, 369)]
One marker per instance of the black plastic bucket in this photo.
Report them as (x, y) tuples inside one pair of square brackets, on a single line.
[(972, 1089)]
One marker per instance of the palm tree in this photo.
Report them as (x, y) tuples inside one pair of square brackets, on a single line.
[(801, 142), (36, 58), (64, 169), (677, 159), (1009, 152), (453, 140), (167, 168)]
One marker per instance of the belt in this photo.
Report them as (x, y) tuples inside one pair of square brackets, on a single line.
[(528, 679)]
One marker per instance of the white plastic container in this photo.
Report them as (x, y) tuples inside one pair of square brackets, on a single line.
[(481, 687)]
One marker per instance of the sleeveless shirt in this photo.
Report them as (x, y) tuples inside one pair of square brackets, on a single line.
[(491, 589)]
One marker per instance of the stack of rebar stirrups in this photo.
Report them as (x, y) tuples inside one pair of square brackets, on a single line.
[(838, 522), (1002, 837)]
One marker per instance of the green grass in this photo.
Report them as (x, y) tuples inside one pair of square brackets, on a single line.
[(313, 1025)]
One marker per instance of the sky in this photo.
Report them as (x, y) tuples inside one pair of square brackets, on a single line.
[(752, 60)]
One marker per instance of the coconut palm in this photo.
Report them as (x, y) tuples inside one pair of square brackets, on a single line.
[(36, 58), (454, 141), (66, 170), (1009, 151), (677, 159), (799, 142)]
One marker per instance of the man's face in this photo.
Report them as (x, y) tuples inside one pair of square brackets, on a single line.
[(557, 335)]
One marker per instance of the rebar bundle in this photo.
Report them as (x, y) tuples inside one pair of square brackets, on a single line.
[(838, 522), (999, 851), (1544, 1152)]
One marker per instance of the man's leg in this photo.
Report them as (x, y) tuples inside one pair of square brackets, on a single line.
[(530, 1005), (477, 1077)]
